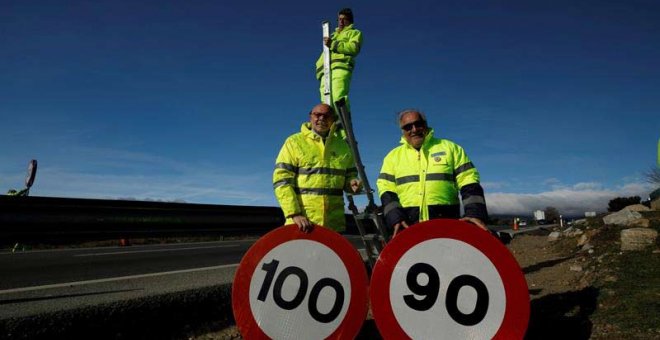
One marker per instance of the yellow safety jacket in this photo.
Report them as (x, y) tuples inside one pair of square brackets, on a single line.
[(430, 177), (310, 177), (343, 50)]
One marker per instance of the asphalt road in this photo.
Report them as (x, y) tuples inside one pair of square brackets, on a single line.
[(45, 281), (48, 267)]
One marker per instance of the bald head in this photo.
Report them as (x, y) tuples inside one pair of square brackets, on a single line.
[(321, 118), (414, 127)]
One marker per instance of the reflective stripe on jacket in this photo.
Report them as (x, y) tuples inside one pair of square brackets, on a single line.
[(310, 177), (431, 176), (343, 50)]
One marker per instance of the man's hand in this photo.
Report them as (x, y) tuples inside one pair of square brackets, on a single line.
[(475, 221), (327, 41), (303, 223), (356, 185), (401, 225)]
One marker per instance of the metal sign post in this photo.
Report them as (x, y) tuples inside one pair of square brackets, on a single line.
[(327, 72)]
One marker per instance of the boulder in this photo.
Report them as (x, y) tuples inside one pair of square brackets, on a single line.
[(637, 207), (575, 268), (582, 240), (640, 223), (573, 232), (655, 204), (553, 236), (637, 238), (622, 217)]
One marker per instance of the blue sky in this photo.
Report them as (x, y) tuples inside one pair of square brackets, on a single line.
[(556, 102)]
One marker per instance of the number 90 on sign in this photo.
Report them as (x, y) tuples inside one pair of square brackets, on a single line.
[(447, 279), (439, 294)]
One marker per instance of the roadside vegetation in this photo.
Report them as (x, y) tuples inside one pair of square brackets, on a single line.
[(629, 286), (596, 291)]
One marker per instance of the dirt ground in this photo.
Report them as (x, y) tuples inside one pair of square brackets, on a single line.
[(560, 276)]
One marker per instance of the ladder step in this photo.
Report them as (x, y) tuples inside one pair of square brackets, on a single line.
[(371, 237), (366, 216)]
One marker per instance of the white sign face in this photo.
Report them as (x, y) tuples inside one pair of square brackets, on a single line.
[(305, 285), (447, 289)]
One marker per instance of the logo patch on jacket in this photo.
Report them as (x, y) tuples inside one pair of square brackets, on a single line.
[(438, 156)]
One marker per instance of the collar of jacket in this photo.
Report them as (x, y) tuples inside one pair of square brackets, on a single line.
[(306, 130), (428, 137)]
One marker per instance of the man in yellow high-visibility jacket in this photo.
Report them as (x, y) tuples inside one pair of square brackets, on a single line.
[(344, 44), (422, 178), (312, 171)]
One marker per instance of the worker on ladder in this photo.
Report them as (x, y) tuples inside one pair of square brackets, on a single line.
[(334, 70), (344, 45)]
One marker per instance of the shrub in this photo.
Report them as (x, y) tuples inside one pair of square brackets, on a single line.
[(622, 202)]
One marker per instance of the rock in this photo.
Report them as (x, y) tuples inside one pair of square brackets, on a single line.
[(553, 236), (622, 217), (588, 247), (572, 232), (575, 268), (655, 204), (641, 223), (582, 240), (575, 232), (637, 207), (637, 238)]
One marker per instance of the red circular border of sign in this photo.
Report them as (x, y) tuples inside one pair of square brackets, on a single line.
[(357, 272), (516, 315)]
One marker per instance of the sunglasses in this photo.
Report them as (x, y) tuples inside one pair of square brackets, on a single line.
[(326, 116), (418, 124)]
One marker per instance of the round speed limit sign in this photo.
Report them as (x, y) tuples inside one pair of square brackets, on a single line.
[(448, 279), (295, 285)]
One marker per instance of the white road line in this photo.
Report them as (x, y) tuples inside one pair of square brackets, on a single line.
[(33, 251), (110, 279), (153, 250)]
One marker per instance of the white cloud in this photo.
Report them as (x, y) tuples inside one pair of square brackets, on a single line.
[(552, 182), (571, 201), (244, 189), (587, 186), (113, 174), (488, 186)]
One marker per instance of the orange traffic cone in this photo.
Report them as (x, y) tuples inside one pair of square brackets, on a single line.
[(515, 224)]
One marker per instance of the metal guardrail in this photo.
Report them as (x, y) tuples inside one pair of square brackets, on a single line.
[(50, 219), (43, 219)]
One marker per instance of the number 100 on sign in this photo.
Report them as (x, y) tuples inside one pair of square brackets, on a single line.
[(312, 296)]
